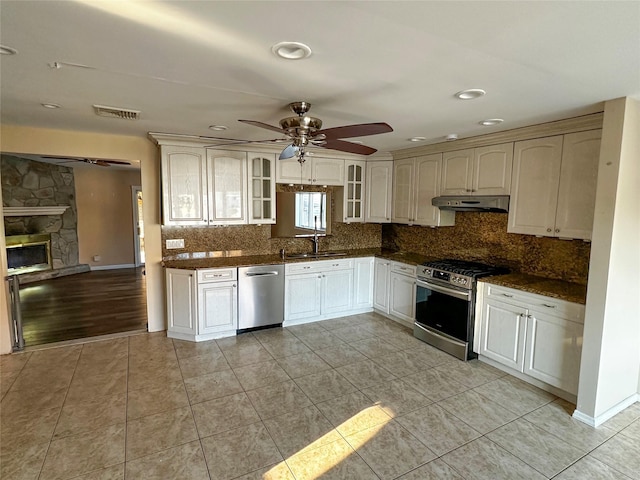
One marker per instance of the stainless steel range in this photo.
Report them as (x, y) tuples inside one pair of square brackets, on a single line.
[(445, 304)]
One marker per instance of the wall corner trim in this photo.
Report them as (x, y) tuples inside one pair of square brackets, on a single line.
[(603, 417)]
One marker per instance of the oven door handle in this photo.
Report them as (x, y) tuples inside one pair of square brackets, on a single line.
[(447, 291)]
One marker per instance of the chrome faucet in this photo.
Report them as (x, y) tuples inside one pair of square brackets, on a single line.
[(315, 238)]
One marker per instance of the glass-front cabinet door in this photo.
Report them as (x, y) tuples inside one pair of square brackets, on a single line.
[(262, 188), (354, 192)]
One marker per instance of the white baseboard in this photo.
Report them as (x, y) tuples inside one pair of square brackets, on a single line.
[(112, 267), (612, 412)]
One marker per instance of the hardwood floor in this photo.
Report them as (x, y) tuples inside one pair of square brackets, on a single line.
[(84, 305)]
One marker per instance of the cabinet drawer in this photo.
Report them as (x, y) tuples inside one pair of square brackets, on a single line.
[(403, 268), (217, 275), (534, 302), (318, 266)]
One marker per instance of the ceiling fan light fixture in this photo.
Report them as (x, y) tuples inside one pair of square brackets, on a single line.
[(4, 50), (489, 122), (417, 139), (218, 128), (291, 50), (470, 94)]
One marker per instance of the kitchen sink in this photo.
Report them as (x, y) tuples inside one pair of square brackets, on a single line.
[(316, 255)]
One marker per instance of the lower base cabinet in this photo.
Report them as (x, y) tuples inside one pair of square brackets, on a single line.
[(537, 336), (201, 304), (395, 290)]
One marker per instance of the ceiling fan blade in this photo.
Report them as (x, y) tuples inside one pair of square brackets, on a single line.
[(358, 130), (349, 147), (255, 123), (289, 152), (116, 162), (100, 163)]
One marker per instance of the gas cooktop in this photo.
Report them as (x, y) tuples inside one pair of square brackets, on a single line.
[(460, 273)]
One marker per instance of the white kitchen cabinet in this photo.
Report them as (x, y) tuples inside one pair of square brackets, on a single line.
[(382, 269), (303, 294), (318, 290), (416, 181), (337, 291), (217, 308), (379, 188), (261, 188), (181, 302), (538, 336), (227, 176), (577, 189), (350, 204), (395, 290), (402, 296), (478, 171), (184, 186), (503, 333), (314, 171), (363, 274), (202, 304), (554, 183)]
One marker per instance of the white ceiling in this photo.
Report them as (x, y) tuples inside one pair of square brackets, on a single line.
[(190, 64)]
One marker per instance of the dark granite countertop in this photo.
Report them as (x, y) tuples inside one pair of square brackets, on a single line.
[(216, 260), (570, 292)]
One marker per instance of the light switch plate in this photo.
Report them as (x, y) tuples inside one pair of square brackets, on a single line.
[(175, 243)]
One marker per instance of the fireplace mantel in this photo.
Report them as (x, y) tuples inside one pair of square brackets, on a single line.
[(32, 211)]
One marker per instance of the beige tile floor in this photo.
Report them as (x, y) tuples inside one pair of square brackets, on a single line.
[(353, 398)]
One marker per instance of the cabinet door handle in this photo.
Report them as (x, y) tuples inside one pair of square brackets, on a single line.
[(234, 285), (506, 295), (548, 229), (557, 230), (548, 306)]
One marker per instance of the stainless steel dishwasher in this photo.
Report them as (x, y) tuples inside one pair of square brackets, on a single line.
[(260, 296)]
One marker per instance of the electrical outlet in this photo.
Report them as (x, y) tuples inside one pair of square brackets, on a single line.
[(97, 258), (175, 243)]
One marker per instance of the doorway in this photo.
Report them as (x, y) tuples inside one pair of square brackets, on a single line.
[(138, 226)]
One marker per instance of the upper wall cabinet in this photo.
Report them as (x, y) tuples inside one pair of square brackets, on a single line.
[(314, 171), (478, 171), (351, 203), (261, 188), (227, 177), (184, 186), (554, 184), (203, 186), (416, 181), (379, 189)]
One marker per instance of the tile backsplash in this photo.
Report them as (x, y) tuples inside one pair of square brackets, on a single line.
[(483, 237)]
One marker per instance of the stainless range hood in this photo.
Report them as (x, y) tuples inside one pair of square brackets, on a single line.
[(468, 203)]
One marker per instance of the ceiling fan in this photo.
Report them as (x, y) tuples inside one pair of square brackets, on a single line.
[(91, 161), (304, 131)]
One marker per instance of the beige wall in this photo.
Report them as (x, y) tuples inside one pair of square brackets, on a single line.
[(16, 139), (105, 214), (611, 349)]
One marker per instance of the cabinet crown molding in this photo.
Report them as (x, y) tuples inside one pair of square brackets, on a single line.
[(559, 127)]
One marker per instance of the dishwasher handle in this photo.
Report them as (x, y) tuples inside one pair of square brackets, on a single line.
[(260, 274)]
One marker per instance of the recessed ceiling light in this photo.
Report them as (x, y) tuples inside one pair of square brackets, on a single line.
[(451, 137), (4, 50), (491, 121), (417, 139), (50, 105), (470, 94), (291, 50), (218, 128)]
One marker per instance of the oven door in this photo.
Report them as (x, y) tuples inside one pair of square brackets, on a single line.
[(443, 309)]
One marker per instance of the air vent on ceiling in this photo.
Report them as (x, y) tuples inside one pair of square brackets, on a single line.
[(116, 112)]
